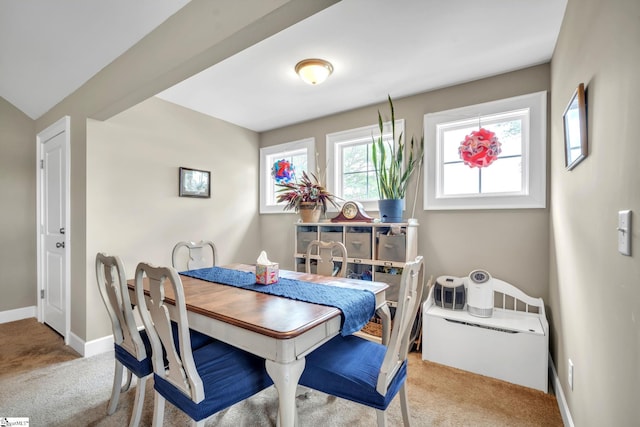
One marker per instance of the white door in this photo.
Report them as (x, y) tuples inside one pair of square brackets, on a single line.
[(53, 286)]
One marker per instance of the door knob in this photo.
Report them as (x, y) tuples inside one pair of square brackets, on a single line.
[(60, 245)]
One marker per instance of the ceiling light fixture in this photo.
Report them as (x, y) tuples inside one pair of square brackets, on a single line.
[(314, 71)]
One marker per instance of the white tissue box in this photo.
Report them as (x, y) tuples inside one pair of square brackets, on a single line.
[(266, 274)]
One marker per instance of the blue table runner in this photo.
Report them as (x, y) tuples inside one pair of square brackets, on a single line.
[(357, 305)]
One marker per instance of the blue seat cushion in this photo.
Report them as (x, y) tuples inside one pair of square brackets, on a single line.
[(140, 368), (348, 367), (229, 375), (197, 339)]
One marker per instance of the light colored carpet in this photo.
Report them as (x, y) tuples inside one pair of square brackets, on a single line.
[(76, 393)]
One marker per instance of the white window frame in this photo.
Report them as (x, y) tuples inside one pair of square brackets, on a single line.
[(308, 144), (533, 194), (363, 134)]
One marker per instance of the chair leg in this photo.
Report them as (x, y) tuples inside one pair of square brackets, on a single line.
[(200, 423), (115, 391), (404, 405), (138, 403), (158, 410), (382, 418), (127, 385)]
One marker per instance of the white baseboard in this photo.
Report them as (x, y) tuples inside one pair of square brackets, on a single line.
[(76, 343), (562, 402), (17, 314), (98, 346), (91, 348)]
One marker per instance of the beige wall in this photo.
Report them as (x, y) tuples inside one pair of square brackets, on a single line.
[(595, 291), (133, 208), (198, 36), (18, 218), (511, 244)]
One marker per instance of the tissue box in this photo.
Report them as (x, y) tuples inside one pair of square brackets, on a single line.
[(266, 274)]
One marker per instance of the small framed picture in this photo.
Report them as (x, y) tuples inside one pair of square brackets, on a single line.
[(575, 129), (195, 183)]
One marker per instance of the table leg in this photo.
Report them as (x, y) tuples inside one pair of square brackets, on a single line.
[(385, 316), (285, 376)]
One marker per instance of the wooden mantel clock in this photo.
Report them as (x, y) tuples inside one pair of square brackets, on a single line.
[(352, 211)]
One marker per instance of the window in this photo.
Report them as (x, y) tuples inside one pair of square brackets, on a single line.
[(517, 177), (298, 153), (351, 174)]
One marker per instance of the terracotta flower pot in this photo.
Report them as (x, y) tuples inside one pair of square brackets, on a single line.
[(309, 211)]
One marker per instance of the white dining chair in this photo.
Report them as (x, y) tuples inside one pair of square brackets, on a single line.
[(364, 371), (326, 262), (325, 266), (193, 255), (198, 382), (132, 347)]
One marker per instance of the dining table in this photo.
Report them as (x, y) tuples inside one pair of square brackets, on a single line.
[(279, 329)]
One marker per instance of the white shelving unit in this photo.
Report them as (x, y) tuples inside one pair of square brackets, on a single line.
[(375, 251)]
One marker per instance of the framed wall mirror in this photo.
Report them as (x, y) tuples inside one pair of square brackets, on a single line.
[(575, 129)]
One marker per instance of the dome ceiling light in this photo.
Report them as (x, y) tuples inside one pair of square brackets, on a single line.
[(314, 71)]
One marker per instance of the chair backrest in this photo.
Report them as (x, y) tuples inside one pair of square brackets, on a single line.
[(409, 300), (195, 256), (179, 369), (112, 283), (326, 250)]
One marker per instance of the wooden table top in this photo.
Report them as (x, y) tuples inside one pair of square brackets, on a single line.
[(270, 315)]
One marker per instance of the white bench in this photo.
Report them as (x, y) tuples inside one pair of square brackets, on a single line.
[(512, 345)]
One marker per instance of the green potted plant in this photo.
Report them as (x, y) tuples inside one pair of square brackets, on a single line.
[(392, 174), (306, 196)]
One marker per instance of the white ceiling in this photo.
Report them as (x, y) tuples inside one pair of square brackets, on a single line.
[(377, 47), (49, 48)]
